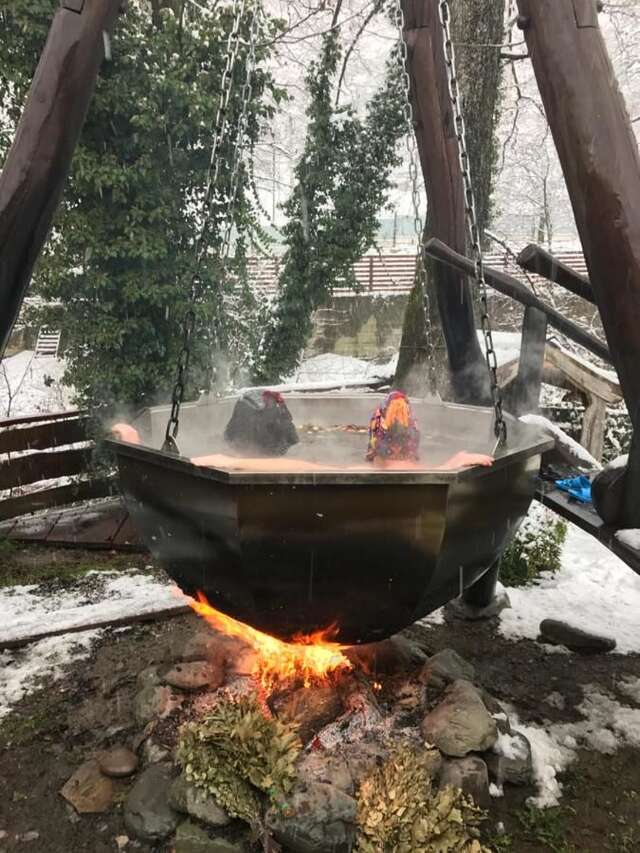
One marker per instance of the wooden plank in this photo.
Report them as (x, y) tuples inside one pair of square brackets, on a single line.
[(118, 622), (82, 525), (587, 519), (35, 467), (128, 537), (510, 286), (34, 419), (536, 260), (44, 436), (594, 424), (34, 528), (584, 376), (58, 496)]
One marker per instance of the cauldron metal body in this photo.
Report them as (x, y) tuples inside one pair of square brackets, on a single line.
[(369, 551)]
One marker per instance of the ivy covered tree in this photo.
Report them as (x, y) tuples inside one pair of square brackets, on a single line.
[(341, 183), (121, 255)]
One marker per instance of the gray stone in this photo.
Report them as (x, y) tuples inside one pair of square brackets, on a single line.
[(118, 762), (511, 760), (470, 775), (460, 724), (147, 813), (186, 798), (190, 838), (459, 609), (397, 654), (155, 702), (563, 634), (194, 675), (318, 819), (88, 791), (330, 768), (449, 666)]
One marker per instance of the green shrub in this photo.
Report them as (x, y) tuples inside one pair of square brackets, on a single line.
[(537, 548)]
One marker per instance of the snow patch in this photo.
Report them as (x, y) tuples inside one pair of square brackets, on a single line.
[(630, 538), (593, 589), (432, 619), (22, 671), (30, 385)]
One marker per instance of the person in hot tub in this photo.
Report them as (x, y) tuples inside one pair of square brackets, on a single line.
[(394, 441)]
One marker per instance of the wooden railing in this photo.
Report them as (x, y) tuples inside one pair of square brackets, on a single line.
[(39, 451)]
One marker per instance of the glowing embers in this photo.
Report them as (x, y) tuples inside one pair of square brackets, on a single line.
[(311, 658)]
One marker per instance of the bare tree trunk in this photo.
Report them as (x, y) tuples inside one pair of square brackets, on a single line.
[(477, 25)]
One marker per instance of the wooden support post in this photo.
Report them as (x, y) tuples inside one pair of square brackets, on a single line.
[(510, 286), (593, 426), (37, 165), (438, 148), (540, 262), (601, 165), (524, 393)]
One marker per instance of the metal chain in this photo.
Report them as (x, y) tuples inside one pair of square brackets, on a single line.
[(414, 171), (500, 426), (226, 84)]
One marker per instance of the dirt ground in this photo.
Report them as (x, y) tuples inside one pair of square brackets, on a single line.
[(53, 730)]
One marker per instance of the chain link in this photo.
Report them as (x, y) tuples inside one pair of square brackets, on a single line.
[(444, 13), (212, 208), (414, 172)]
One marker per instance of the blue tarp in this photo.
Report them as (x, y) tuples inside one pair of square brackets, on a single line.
[(578, 487)]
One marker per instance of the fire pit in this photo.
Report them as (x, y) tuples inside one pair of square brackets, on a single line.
[(353, 552)]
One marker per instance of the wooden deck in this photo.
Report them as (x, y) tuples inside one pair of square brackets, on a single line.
[(585, 517), (98, 525)]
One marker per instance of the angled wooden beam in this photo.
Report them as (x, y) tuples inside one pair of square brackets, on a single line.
[(601, 164), (38, 162), (537, 260), (510, 286)]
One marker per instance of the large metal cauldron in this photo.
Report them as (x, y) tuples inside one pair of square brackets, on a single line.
[(371, 551)]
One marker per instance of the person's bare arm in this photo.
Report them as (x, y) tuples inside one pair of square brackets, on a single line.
[(462, 459)]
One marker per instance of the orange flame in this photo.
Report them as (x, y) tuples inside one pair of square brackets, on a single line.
[(311, 658)]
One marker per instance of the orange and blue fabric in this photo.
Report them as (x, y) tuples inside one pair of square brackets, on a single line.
[(393, 431)]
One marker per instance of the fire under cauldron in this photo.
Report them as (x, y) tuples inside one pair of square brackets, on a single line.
[(369, 551)]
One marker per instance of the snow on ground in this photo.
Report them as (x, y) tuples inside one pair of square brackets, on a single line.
[(25, 610), (22, 670), (606, 726), (340, 368), (593, 590), (29, 385)]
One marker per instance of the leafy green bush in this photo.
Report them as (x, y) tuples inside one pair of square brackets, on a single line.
[(536, 548)]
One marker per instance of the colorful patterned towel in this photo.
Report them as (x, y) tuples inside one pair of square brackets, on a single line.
[(393, 432)]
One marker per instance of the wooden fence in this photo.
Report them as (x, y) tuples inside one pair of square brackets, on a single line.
[(36, 453), (389, 275)]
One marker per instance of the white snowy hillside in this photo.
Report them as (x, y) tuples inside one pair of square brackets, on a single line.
[(30, 385)]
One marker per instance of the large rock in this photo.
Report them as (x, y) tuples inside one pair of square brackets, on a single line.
[(88, 790), (194, 675), (448, 665), (186, 798), (470, 775), (511, 760), (147, 813), (155, 702), (461, 723), (559, 633), (190, 838), (311, 710), (318, 819)]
